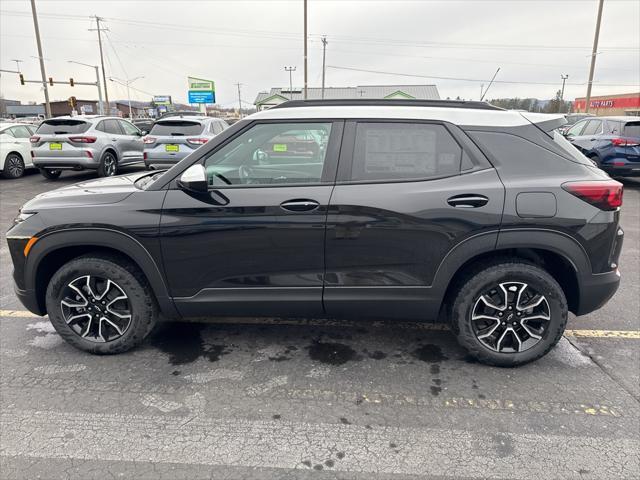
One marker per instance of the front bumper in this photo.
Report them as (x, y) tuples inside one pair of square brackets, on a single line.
[(29, 299)]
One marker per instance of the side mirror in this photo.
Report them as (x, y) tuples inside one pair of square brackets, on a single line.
[(194, 179)]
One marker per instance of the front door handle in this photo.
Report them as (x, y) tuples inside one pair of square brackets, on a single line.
[(300, 205), (468, 201)]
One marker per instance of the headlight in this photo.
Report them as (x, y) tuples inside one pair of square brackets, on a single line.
[(22, 216)]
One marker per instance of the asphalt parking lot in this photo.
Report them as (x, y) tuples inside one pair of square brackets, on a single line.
[(295, 399)]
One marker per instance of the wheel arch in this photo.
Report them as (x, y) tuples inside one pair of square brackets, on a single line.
[(55, 249), (557, 253)]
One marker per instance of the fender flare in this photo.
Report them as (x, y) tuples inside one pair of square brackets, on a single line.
[(101, 237), (554, 241)]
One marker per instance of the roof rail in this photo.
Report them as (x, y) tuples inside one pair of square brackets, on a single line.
[(395, 102)]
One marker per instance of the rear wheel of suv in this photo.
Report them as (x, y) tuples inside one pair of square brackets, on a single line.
[(50, 174), (101, 304), (108, 165), (509, 314), (13, 166)]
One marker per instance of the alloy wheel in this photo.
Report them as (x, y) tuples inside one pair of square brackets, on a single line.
[(510, 317), (109, 165), (95, 308), (14, 166)]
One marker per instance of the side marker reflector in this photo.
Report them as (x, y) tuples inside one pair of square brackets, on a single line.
[(29, 244)]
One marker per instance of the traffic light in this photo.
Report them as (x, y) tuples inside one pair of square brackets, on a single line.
[(71, 81), (72, 102), (51, 81), (21, 79)]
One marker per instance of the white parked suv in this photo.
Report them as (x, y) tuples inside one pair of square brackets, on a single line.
[(15, 149)]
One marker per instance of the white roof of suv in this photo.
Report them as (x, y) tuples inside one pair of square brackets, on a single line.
[(457, 113)]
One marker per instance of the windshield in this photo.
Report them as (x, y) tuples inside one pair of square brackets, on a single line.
[(63, 126), (176, 128)]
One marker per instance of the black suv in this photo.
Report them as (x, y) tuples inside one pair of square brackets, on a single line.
[(367, 209)]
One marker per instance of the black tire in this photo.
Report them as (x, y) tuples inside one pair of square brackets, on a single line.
[(108, 165), (13, 166), (487, 279), (50, 174), (142, 308)]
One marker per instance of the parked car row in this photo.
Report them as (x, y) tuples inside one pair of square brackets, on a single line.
[(612, 143), (102, 143)]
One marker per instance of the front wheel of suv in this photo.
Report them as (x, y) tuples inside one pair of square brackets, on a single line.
[(50, 174), (101, 304), (108, 165), (510, 313)]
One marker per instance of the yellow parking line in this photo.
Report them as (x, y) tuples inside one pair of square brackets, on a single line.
[(635, 334), (626, 334)]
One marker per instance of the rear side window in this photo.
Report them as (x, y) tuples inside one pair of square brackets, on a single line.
[(631, 129), (20, 132), (109, 126), (404, 151), (63, 126), (177, 128)]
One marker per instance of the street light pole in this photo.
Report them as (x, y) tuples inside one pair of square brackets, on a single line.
[(290, 70), (47, 105), (594, 52), (239, 101), (564, 79), (126, 83), (324, 52), (305, 49)]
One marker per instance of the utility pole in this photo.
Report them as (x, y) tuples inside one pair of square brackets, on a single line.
[(290, 70), (239, 101), (594, 52), (305, 49), (47, 105), (481, 88), (104, 75), (324, 51)]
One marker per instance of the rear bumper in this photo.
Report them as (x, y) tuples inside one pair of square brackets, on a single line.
[(596, 290), (621, 166), (66, 162)]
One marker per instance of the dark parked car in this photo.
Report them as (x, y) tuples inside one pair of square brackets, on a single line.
[(572, 119), (613, 143), (368, 209), (144, 124)]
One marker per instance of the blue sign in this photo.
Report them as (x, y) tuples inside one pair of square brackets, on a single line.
[(202, 97)]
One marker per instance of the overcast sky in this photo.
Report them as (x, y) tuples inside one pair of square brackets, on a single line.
[(532, 41)]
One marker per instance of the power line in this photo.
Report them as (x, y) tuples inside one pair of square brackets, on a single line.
[(475, 80)]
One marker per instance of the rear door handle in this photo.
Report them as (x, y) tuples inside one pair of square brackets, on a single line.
[(468, 201), (299, 205)]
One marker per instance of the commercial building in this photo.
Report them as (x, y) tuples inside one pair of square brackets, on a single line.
[(621, 104), (276, 95), (60, 108)]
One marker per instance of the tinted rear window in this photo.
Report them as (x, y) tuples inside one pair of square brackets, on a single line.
[(63, 126), (177, 128), (632, 129)]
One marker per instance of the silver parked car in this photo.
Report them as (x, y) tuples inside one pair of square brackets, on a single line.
[(86, 142), (173, 138)]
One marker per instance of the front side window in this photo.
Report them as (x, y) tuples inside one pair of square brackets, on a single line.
[(594, 127), (404, 151), (576, 129), (128, 128), (271, 154)]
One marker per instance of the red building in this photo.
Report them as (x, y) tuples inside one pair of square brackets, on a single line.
[(605, 105)]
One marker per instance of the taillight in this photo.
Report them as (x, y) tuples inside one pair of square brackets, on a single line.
[(83, 139), (34, 139), (623, 142), (144, 155), (197, 141), (605, 194), (148, 140)]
